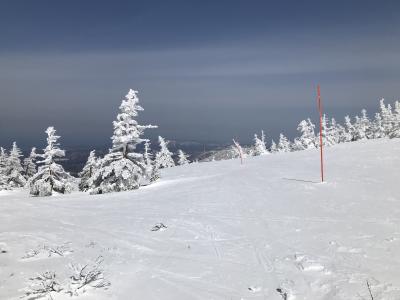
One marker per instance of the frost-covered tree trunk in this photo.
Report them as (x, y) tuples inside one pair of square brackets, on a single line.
[(29, 164), (164, 156), (50, 175), (182, 158), (14, 170), (123, 168), (88, 171)]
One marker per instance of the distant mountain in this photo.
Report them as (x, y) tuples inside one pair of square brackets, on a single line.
[(75, 158)]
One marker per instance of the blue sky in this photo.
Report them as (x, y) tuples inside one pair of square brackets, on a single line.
[(205, 70)]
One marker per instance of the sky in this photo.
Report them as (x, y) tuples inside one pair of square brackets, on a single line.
[(206, 71)]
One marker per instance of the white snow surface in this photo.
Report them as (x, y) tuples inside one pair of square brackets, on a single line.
[(233, 231)]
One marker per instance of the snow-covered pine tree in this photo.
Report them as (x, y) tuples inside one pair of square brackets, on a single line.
[(164, 156), (340, 132), (147, 159), (122, 169), (284, 144), (377, 127), (387, 117), (3, 169), (88, 171), (50, 175), (359, 133), (307, 140), (350, 130), (182, 158), (259, 145), (152, 173), (366, 124), (395, 130), (296, 145), (273, 148), (327, 134), (3, 160), (330, 134), (336, 130), (29, 164), (14, 169)]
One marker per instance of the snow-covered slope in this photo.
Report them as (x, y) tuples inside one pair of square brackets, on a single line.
[(252, 231)]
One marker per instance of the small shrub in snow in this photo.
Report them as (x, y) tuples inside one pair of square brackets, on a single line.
[(87, 276), (159, 227), (43, 285)]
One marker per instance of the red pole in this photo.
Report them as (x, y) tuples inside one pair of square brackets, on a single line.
[(320, 132)]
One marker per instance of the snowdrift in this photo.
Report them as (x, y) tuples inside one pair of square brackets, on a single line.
[(220, 230)]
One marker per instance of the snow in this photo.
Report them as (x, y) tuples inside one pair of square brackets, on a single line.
[(262, 230)]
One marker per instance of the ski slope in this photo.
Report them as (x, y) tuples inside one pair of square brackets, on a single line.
[(262, 230)]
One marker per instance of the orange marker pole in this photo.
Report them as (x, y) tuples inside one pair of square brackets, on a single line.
[(320, 132)]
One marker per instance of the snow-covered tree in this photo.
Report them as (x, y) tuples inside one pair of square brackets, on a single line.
[(377, 127), (148, 160), (152, 173), (284, 144), (14, 169), (29, 164), (327, 138), (273, 148), (238, 150), (259, 145), (387, 117), (340, 135), (307, 140), (50, 175), (182, 158), (395, 129), (164, 156), (3, 169), (3, 160), (330, 132), (123, 169), (336, 131), (350, 130), (362, 127), (88, 171)]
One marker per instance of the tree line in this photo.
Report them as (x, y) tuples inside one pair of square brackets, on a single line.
[(125, 168)]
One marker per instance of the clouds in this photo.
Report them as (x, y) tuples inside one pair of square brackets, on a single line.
[(207, 72)]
